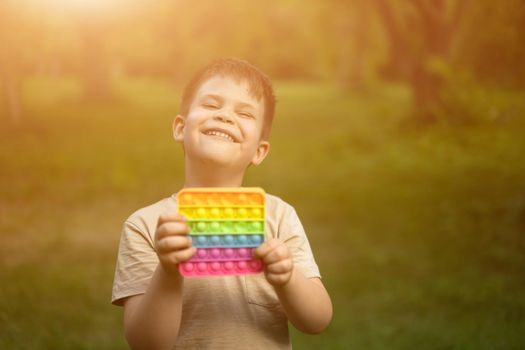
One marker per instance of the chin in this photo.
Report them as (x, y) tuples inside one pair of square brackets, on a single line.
[(217, 158)]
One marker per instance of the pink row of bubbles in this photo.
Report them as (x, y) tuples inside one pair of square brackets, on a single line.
[(221, 268)]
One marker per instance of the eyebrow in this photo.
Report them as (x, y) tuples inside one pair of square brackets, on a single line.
[(220, 98)]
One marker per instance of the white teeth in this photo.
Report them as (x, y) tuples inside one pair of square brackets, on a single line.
[(220, 134)]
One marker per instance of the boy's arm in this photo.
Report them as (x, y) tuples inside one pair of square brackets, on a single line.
[(305, 300), (152, 320)]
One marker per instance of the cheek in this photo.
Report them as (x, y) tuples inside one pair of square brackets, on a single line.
[(193, 120), (251, 127), (252, 135), (197, 114), (191, 131)]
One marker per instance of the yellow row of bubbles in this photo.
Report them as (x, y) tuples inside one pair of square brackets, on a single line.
[(222, 213)]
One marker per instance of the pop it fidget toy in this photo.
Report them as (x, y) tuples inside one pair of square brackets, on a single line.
[(226, 225)]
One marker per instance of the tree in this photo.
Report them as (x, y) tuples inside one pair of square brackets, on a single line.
[(95, 70), (420, 32), (10, 62), (491, 44), (351, 32)]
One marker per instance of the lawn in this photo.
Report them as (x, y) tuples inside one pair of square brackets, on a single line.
[(419, 232)]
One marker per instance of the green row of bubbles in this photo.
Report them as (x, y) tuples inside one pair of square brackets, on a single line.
[(226, 227)]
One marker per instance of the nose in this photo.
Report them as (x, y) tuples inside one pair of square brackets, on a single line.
[(224, 117)]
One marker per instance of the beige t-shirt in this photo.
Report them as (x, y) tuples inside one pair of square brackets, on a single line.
[(231, 312)]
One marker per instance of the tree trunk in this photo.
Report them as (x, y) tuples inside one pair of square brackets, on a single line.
[(399, 61), (11, 94), (9, 76), (95, 71), (351, 21)]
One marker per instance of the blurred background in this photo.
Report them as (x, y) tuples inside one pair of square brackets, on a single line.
[(399, 138)]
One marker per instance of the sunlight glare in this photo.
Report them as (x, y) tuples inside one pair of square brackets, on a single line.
[(81, 5)]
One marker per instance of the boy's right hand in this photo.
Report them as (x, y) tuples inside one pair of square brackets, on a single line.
[(172, 243)]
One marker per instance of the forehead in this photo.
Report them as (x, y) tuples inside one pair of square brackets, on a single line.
[(229, 89)]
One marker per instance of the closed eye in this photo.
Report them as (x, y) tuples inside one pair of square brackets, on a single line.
[(210, 106), (246, 115)]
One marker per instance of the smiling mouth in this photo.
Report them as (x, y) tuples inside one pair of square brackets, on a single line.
[(219, 134)]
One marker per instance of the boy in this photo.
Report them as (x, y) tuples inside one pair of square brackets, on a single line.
[(226, 114)]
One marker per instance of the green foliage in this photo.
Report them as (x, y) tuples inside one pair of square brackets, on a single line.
[(418, 234), (467, 102)]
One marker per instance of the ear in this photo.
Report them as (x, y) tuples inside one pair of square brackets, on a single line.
[(260, 154), (178, 128)]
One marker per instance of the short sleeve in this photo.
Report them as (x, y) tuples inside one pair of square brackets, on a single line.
[(136, 262), (293, 235)]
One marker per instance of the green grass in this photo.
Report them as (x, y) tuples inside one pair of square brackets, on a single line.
[(418, 232)]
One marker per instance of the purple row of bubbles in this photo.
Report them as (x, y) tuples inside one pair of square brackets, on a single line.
[(221, 254)]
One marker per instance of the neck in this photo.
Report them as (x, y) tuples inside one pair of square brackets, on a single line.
[(211, 175)]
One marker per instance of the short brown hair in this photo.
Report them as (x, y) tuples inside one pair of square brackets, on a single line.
[(259, 84)]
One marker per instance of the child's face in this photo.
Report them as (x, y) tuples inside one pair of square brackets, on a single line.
[(224, 125)]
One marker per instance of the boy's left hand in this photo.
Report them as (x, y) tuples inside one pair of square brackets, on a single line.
[(277, 260)]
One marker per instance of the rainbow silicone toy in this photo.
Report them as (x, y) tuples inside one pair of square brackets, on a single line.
[(226, 224)]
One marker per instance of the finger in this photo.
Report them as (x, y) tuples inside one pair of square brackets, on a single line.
[(183, 255), (278, 279), (172, 243), (169, 217), (171, 229), (266, 248), (277, 254), (282, 266)]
